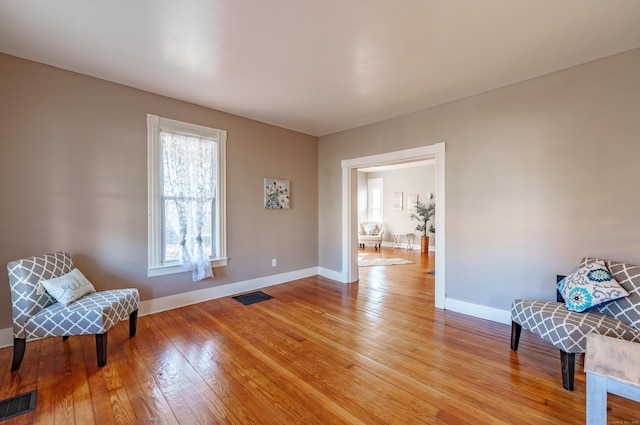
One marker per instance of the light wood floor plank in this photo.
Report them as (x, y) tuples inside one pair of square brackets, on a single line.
[(319, 352), (147, 401), (305, 360), (46, 382), (82, 403), (180, 377), (103, 413), (249, 393), (149, 350)]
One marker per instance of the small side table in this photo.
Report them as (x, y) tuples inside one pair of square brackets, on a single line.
[(397, 239), (409, 237), (612, 366)]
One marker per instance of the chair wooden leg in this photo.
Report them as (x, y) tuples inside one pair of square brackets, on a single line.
[(516, 329), (101, 349), (133, 323), (568, 361), (19, 347)]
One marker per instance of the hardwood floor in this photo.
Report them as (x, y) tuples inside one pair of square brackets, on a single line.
[(320, 352)]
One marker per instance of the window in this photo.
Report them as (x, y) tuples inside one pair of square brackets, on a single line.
[(187, 220), (375, 199)]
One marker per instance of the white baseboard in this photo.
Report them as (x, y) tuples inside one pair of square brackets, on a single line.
[(6, 337), (479, 311), (331, 274), (404, 245), (187, 298), (180, 300)]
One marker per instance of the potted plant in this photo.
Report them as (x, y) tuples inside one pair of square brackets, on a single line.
[(423, 214)]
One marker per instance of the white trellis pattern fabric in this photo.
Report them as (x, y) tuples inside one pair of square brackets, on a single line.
[(92, 314), (567, 330), (40, 316), (626, 309), (24, 277)]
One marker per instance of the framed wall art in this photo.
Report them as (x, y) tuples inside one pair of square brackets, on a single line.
[(276, 194), (413, 202), (397, 200)]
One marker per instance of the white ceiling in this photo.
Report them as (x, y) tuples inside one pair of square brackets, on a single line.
[(317, 66)]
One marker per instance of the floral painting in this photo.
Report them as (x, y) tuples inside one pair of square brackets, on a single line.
[(276, 194)]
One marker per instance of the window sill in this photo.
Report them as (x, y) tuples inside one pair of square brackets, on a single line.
[(177, 268)]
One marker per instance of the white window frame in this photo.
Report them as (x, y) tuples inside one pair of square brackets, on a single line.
[(155, 124)]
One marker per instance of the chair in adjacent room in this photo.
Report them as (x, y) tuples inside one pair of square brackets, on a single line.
[(370, 233)]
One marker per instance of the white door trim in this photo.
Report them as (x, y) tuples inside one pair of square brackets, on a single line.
[(349, 220)]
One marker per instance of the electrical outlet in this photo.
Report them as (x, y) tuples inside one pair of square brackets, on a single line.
[(274, 262)]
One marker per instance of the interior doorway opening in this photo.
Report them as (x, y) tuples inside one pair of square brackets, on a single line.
[(350, 168), (389, 195)]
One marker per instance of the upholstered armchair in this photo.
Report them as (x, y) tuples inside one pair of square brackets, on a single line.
[(370, 232), (607, 302), (44, 305)]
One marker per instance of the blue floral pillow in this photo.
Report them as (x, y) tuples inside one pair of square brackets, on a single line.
[(592, 285)]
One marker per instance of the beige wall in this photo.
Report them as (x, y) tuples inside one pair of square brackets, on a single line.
[(73, 177), (538, 174)]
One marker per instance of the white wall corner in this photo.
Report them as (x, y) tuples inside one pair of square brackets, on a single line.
[(332, 274)]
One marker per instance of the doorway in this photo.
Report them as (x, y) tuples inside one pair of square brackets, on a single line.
[(349, 208)]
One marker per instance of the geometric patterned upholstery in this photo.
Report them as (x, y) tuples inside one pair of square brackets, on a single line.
[(565, 329), (24, 276), (37, 315), (568, 330), (92, 314), (626, 309)]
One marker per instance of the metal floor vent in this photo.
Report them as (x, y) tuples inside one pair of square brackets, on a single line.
[(252, 297), (18, 405)]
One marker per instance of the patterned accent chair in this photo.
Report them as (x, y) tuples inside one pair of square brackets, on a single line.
[(370, 233), (37, 315), (568, 330)]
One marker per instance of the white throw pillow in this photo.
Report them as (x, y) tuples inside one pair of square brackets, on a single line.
[(68, 288), (371, 229)]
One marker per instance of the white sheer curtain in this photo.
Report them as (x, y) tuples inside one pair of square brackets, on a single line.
[(189, 182)]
